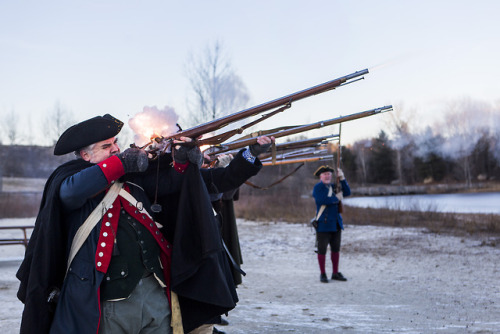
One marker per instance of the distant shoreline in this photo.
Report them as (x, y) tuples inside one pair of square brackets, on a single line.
[(438, 188)]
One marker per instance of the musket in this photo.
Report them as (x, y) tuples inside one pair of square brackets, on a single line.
[(220, 138), (299, 156), (294, 161), (302, 161), (302, 153), (298, 129), (296, 155), (305, 143), (211, 126), (339, 186), (292, 151)]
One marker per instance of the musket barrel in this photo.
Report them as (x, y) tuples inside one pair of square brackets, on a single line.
[(294, 161), (304, 128), (304, 142), (356, 74)]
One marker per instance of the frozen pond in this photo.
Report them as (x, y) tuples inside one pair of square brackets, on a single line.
[(459, 203)]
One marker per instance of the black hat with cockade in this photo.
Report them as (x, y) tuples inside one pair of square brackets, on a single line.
[(86, 133), (323, 169)]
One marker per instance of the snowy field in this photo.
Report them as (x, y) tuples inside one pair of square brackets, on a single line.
[(399, 281)]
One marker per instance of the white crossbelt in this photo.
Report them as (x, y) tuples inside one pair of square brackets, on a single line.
[(131, 199), (92, 220), (138, 205)]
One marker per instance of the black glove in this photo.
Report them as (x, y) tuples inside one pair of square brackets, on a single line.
[(134, 160), (257, 149), (185, 153)]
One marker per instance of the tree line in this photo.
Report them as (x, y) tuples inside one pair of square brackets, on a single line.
[(421, 160)]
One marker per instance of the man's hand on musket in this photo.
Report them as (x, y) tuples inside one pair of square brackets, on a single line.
[(134, 160), (182, 140), (185, 153), (223, 160), (206, 161), (263, 144), (340, 174)]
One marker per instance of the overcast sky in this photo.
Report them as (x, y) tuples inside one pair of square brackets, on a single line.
[(117, 56)]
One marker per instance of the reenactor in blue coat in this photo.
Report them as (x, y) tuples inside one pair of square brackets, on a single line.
[(330, 226)]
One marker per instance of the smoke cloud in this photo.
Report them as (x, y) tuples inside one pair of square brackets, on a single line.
[(153, 122)]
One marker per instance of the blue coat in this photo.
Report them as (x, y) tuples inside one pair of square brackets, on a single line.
[(330, 217)]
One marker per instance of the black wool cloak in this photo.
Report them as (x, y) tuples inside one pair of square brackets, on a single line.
[(44, 264), (200, 272), (230, 232)]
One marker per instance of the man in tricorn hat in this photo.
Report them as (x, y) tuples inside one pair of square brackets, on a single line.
[(97, 261), (329, 229)]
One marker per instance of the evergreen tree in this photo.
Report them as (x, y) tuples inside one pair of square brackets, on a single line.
[(381, 162), (348, 163)]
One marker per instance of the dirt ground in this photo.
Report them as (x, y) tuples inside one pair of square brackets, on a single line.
[(399, 281)]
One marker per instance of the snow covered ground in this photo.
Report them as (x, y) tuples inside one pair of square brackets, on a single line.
[(400, 280)]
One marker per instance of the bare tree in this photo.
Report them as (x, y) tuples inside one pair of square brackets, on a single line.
[(494, 126), (28, 133), (216, 89), (429, 163), (465, 121), (56, 122), (400, 126), (362, 149), (11, 127)]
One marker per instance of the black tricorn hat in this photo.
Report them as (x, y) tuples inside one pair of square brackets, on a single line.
[(323, 169), (86, 133)]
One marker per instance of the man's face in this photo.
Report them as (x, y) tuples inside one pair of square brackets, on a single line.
[(102, 150), (326, 177)]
